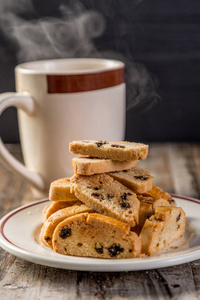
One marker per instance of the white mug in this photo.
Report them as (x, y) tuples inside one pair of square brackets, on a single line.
[(59, 101)]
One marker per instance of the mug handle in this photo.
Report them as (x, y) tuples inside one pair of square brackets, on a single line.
[(26, 103)]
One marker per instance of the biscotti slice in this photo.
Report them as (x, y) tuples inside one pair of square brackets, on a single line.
[(95, 235), (136, 179), (51, 223), (44, 212), (156, 192), (57, 205), (107, 196), (112, 150), (161, 229), (90, 165), (147, 209), (60, 190)]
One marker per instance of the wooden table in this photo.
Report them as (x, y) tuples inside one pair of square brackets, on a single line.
[(176, 168)]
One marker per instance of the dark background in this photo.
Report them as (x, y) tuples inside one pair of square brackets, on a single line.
[(159, 41)]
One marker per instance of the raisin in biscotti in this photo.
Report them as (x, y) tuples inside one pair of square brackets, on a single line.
[(57, 205), (95, 235), (51, 223), (156, 192), (91, 165), (107, 196), (112, 150), (136, 179), (161, 229), (60, 190)]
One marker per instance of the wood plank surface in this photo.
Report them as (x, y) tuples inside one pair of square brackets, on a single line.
[(176, 169)]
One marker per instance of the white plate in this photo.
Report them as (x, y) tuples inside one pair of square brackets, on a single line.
[(19, 235)]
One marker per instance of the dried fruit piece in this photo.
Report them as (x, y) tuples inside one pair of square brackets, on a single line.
[(124, 196), (178, 217), (99, 248), (100, 143), (142, 177), (125, 205), (115, 249), (110, 196), (118, 146), (98, 196), (65, 232)]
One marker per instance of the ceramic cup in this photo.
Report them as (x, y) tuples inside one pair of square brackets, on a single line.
[(59, 101)]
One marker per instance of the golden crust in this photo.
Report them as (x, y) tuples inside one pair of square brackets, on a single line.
[(95, 235), (51, 223), (57, 205), (158, 193)]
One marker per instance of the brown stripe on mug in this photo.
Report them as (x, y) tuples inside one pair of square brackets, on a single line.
[(84, 82)]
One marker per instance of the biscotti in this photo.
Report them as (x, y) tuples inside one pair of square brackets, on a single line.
[(95, 235), (156, 192), (107, 196), (91, 165), (113, 150), (60, 190), (161, 229), (44, 212), (51, 223), (57, 205), (147, 209), (110, 207), (136, 179)]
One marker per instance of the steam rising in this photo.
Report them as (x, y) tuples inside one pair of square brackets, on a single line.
[(70, 35)]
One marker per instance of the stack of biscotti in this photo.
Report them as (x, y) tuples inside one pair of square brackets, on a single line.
[(109, 208)]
